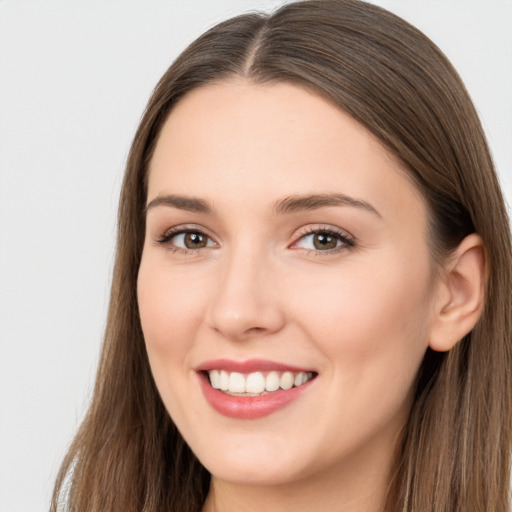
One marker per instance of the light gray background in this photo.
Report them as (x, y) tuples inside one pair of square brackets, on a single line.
[(74, 78)]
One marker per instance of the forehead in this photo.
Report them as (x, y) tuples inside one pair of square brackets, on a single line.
[(246, 142)]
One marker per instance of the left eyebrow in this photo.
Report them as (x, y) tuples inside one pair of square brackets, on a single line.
[(297, 203)]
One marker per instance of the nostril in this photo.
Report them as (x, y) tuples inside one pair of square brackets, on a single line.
[(255, 330)]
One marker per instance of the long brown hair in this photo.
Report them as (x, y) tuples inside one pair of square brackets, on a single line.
[(454, 455)]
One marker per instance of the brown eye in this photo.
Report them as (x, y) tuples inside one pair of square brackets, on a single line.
[(195, 240), (186, 240), (324, 241)]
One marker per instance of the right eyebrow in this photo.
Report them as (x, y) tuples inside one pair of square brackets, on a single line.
[(316, 201), (190, 204)]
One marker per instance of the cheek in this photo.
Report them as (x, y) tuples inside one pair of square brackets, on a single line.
[(171, 307), (371, 327), (369, 318), (169, 318), (170, 312)]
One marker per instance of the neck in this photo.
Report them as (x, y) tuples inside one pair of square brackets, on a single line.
[(355, 488)]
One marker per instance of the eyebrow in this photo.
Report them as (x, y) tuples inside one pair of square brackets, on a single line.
[(315, 201), (284, 206), (190, 204)]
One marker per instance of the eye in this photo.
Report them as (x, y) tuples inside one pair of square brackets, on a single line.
[(186, 239), (324, 240), (191, 240)]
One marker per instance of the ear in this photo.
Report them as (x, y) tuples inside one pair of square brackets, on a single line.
[(461, 294)]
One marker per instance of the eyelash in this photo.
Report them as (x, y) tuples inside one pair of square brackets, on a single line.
[(347, 241), (165, 239)]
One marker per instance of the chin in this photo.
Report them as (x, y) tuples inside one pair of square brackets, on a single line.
[(252, 474), (255, 464)]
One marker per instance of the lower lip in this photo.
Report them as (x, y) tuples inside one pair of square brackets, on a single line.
[(249, 407)]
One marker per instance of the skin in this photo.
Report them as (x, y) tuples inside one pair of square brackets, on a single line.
[(361, 315)]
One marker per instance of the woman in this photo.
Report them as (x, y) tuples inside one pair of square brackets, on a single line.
[(310, 300)]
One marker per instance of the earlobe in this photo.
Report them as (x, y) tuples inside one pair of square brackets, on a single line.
[(461, 295)]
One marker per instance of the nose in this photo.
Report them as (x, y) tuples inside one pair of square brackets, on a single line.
[(246, 301)]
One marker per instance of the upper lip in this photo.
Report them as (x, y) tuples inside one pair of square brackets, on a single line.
[(248, 366)]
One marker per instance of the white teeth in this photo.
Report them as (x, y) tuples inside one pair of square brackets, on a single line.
[(215, 379), (286, 381), (256, 383), (224, 380), (236, 383), (272, 381)]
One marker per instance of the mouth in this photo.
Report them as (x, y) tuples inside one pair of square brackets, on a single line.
[(252, 389), (256, 383)]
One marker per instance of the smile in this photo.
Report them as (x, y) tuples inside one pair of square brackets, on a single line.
[(256, 383), (252, 389)]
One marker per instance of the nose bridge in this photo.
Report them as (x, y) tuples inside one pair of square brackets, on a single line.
[(245, 303)]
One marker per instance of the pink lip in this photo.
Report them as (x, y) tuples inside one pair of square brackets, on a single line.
[(251, 365), (245, 407)]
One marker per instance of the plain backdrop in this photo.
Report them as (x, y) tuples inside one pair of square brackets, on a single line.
[(74, 79)]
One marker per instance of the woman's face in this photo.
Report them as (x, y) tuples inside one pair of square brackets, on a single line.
[(285, 254)]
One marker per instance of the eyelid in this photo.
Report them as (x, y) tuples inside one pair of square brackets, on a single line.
[(346, 238), (165, 238)]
